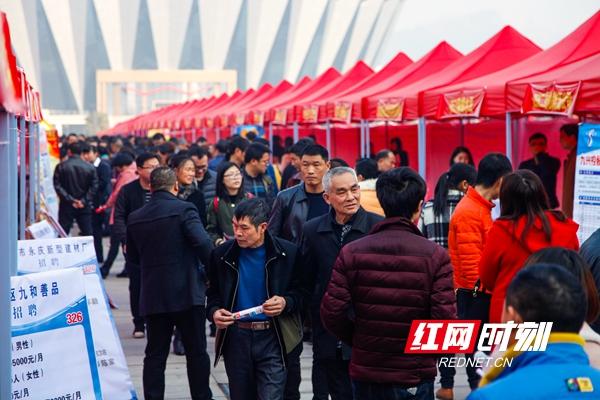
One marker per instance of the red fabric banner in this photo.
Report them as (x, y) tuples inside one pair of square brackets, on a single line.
[(550, 99), (462, 103)]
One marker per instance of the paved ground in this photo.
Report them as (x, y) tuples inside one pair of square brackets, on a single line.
[(176, 378)]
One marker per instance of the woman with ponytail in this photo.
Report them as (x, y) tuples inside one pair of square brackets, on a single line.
[(450, 188)]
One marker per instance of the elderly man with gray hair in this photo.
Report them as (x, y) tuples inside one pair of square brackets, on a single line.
[(322, 239), (167, 240)]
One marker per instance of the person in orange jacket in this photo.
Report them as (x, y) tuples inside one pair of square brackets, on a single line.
[(526, 225), (469, 226), (472, 220)]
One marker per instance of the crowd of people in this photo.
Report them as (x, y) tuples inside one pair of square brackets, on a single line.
[(276, 245)]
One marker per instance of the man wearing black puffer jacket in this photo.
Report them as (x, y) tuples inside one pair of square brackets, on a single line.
[(255, 269)]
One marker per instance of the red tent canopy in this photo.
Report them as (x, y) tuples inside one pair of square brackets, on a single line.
[(221, 115), (259, 109), (504, 48), (439, 57), (312, 108), (581, 43), (207, 116), (571, 88), (391, 69), (246, 116), (282, 112)]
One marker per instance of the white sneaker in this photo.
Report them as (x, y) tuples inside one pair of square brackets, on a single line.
[(139, 335)]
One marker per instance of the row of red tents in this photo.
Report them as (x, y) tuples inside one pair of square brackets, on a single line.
[(16, 93), (507, 73)]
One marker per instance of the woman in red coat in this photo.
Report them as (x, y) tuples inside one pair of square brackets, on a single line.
[(526, 225)]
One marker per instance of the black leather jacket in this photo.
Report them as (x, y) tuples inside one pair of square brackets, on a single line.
[(283, 278), (75, 179), (289, 214)]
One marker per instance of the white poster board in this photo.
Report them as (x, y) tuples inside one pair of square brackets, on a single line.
[(72, 252), (586, 205), (53, 353)]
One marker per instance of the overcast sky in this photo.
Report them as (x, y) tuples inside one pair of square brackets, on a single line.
[(465, 24)]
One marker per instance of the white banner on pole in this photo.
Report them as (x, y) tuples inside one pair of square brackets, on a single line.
[(53, 354), (72, 252), (586, 205)]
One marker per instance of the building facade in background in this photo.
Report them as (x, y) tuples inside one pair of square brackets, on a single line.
[(98, 56)]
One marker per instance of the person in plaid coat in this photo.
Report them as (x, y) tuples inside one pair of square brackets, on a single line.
[(450, 188)]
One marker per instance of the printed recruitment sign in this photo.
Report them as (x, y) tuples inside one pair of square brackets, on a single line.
[(53, 353), (78, 252), (586, 205)]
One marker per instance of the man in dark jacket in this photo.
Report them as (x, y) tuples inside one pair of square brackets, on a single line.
[(76, 184), (292, 208), (206, 179), (543, 165), (104, 173), (300, 203), (386, 280), (255, 269), (133, 196), (173, 282), (322, 239)]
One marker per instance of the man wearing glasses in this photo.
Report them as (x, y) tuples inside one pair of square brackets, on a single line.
[(205, 179), (132, 197)]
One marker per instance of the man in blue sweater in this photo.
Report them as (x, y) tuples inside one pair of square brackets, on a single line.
[(545, 293), (255, 269)]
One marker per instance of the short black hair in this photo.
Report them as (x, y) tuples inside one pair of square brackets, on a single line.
[(570, 129), (166, 148), (179, 159), (75, 148), (122, 159), (89, 148), (338, 162), (85, 147), (538, 135), (142, 158), (399, 191), (197, 151), (548, 293), (316, 150), (383, 154), (255, 209), (222, 146), (236, 142), (367, 168), (158, 136), (251, 136), (299, 147), (255, 152), (491, 168)]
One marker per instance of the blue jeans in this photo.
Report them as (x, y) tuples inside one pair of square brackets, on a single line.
[(253, 364), (383, 391)]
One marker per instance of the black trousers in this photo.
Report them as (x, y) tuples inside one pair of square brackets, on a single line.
[(67, 214), (135, 287), (98, 231), (292, 384), (113, 252), (160, 329), (331, 377)]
